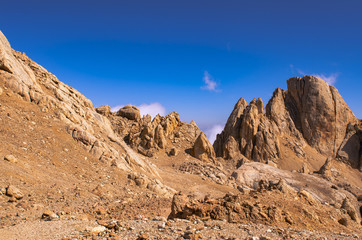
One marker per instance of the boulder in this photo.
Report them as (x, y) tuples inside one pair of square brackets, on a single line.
[(202, 148), (130, 112), (13, 191), (104, 110)]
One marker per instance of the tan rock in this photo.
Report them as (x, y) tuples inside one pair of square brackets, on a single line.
[(49, 216), (13, 191), (104, 110), (319, 112), (130, 112), (160, 138), (351, 210), (11, 158), (202, 148)]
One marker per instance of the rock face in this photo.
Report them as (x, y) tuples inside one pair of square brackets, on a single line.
[(319, 112), (202, 148), (309, 112), (92, 130), (248, 132), (351, 147)]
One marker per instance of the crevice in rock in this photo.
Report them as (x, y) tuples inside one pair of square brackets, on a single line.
[(5, 68), (335, 122)]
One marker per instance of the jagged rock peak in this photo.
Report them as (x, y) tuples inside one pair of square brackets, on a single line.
[(203, 149), (309, 112)]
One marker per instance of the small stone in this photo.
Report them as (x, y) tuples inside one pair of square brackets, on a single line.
[(10, 158), (159, 218), (343, 221), (49, 216), (98, 229), (12, 191), (173, 152), (192, 236), (143, 236)]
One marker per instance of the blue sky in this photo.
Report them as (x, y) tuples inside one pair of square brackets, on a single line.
[(162, 52)]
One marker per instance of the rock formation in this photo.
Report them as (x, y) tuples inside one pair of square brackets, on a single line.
[(350, 150), (91, 129), (248, 132), (309, 112), (147, 135), (202, 148)]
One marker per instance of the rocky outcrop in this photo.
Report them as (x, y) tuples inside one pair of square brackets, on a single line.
[(350, 150), (104, 110), (253, 173), (309, 112), (203, 149), (130, 112), (248, 132), (319, 112), (92, 130), (148, 135)]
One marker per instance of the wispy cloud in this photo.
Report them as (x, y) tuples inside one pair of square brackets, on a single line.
[(297, 70), (213, 131), (116, 108), (331, 79), (210, 83), (152, 109)]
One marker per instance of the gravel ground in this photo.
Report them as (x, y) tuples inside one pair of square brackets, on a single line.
[(158, 228)]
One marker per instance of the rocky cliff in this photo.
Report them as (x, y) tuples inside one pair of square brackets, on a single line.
[(309, 114)]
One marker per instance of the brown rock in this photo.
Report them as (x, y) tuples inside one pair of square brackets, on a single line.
[(351, 210), (319, 112), (350, 150), (104, 110), (143, 236), (11, 158), (49, 216), (160, 138), (248, 132), (130, 112), (192, 235), (202, 148), (226, 144), (173, 152), (12, 191)]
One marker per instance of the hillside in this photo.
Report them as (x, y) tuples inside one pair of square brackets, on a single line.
[(290, 169)]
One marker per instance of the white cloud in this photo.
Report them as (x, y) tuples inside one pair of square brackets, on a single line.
[(331, 79), (116, 108), (210, 83), (297, 70), (152, 109), (213, 131)]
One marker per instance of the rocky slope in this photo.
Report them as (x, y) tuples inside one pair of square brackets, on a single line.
[(102, 174)]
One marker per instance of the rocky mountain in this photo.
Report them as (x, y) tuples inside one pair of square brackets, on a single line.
[(69, 170), (310, 114)]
